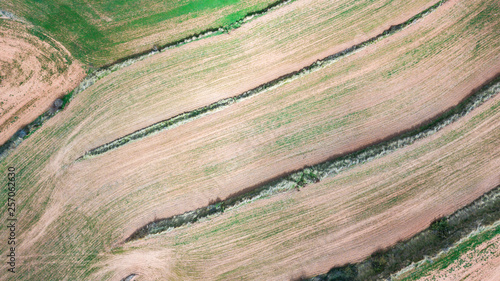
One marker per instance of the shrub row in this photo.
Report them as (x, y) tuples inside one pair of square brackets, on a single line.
[(440, 235), (189, 116), (315, 173)]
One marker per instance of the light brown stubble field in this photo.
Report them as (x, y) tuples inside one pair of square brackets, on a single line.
[(302, 123), (339, 220), (33, 73), (94, 204), (206, 71)]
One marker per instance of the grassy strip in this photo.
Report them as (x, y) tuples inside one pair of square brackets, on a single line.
[(221, 104), (440, 235), (317, 172), (94, 75)]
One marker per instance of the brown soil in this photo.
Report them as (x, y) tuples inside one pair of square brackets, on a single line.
[(33, 74), (341, 219), (147, 265), (95, 204)]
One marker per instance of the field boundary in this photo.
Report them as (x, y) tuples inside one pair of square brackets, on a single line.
[(10, 16), (480, 235), (189, 116), (95, 75), (300, 178), (442, 234)]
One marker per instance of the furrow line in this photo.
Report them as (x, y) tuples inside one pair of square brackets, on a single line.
[(315, 173), (94, 75), (273, 84)]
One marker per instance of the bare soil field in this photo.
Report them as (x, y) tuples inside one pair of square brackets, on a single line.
[(341, 219), (33, 73), (75, 215), (203, 72)]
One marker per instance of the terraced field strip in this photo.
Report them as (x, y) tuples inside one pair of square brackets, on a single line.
[(351, 21), (198, 74), (342, 219), (101, 32), (320, 171), (94, 205), (95, 75), (446, 237), (34, 70), (327, 114), (216, 106)]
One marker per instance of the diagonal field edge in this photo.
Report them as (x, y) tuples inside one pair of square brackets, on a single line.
[(105, 70), (223, 103), (441, 236), (315, 173)]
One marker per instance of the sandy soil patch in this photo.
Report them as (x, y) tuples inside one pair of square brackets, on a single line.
[(33, 73)]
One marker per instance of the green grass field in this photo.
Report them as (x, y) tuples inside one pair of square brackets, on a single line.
[(100, 32)]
